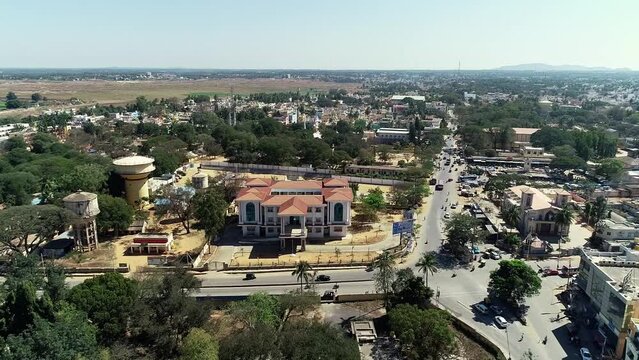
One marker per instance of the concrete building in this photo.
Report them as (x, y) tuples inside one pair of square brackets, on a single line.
[(135, 171), (375, 170), (85, 206), (607, 278), (610, 230), (632, 341), (531, 151), (537, 209), (151, 243), (522, 136), (295, 210), (391, 135)]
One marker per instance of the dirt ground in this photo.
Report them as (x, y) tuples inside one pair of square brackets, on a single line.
[(105, 91), (113, 252)]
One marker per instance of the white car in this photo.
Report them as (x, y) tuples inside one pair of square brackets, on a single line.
[(585, 354), (501, 322)]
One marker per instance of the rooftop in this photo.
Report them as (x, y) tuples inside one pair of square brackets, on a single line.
[(133, 161), (525, 131), (80, 196)]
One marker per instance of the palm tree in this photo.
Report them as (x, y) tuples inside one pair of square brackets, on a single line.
[(303, 272), (563, 218), (427, 264), (511, 216), (385, 266)]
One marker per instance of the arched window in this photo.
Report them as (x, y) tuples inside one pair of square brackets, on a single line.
[(250, 212), (550, 216), (339, 212)]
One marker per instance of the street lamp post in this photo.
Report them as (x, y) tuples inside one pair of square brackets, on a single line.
[(508, 342)]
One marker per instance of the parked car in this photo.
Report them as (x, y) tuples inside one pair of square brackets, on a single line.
[(446, 216), (323, 278), (496, 309), (475, 248), (482, 263), (249, 276), (585, 354), (501, 322), (453, 206), (495, 255), (550, 272), (481, 308)]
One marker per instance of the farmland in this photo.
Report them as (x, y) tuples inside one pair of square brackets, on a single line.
[(107, 92)]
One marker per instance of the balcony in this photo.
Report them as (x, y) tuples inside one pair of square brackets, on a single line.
[(294, 231)]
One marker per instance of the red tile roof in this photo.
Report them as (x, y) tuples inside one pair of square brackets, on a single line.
[(257, 190), (293, 206)]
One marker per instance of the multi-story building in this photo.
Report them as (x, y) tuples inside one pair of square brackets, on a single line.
[(293, 210), (391, 135), (537, 209), (522, 136), (607, 279)]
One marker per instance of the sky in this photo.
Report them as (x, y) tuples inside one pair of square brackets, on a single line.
[(325, 34)]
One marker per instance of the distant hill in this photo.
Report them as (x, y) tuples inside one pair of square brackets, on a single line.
[(546, 67)]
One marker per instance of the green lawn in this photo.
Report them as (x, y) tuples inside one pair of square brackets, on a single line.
[(3, 105)]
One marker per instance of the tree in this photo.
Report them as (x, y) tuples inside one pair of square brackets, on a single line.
[(513, 241), (511, 216), (176, 201), (259, 309), (16, 188), (611, 169), (107, 300), (85, 177), (249, 344), (115, 214), (383, 152), (383, 278), (410, 289), (209, 209), (461, 230), (596, 210), (563, 218), (11, 96), (15, 142), (68, 336), (36, 97), (307, 339), (513, 281), (199, 345), (374, 199), (303, 273), (427, 263), (27, 227), (166, 311), (424, 334)]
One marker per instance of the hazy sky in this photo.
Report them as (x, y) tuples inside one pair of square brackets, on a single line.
[(323, 34)]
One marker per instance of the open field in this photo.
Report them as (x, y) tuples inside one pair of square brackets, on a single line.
[(3, 105), (105, 92)]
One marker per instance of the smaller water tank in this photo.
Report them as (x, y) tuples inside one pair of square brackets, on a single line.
[(83, 204), (200, 181)]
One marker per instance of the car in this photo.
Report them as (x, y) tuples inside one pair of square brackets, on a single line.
[(495, 255), (482, 263), (323, 278), (481, 308), (496, 309), (449, 180), (585, 354), (453, 206), (501, 322), (550, 272), (249, 276), (370, 268), (446, 216), (475, 248), (439, 187)]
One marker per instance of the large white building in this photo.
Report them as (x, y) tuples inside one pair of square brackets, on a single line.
[(608, 279), (294, 210), (609, 230), (537, 209)]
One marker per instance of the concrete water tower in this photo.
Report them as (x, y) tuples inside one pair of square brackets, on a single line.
[(135, 170), (85, 206)]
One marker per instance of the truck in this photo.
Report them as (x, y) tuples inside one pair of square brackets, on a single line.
[(439, 187)]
